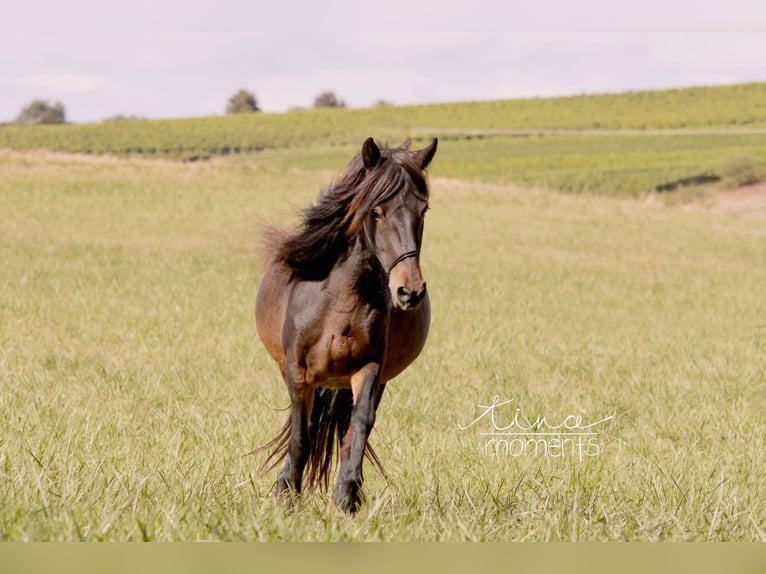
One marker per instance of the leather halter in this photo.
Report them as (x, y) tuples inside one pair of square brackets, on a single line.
[(401, 258)]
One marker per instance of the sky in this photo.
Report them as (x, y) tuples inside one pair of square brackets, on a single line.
[(181, 58)]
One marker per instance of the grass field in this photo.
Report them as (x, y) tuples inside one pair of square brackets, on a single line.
[(619, 144), (610, 165), (721, 107), (132, 380)]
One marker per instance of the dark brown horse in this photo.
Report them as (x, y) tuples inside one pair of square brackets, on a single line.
[(343, 309)]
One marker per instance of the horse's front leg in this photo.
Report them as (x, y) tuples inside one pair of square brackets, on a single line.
[(299, 446), (365, 384)]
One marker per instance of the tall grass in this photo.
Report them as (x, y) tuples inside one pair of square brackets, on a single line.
[(132, 381)]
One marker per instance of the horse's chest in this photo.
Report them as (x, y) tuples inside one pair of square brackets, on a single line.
[(348, 341)]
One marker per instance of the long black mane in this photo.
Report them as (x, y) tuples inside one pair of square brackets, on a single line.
[(330, 226)]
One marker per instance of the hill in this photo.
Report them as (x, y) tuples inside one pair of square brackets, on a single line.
[(611, 143)]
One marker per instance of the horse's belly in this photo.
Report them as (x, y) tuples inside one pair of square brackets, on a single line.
[(270, 310)]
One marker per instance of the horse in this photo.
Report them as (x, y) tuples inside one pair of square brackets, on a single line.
[(343, 309)]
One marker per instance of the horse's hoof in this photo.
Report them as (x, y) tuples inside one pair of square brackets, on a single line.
[(282, 486), (280, 491), (348, 505), (285, 496), (350, 499), (285, 488)]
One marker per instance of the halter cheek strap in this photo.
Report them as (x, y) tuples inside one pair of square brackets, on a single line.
[(371, 246), (401, 258)]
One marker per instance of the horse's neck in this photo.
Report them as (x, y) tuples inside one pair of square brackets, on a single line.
[(360, 270), (359, 260)]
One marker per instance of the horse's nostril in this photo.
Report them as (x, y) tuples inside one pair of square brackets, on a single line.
[(408, 298)]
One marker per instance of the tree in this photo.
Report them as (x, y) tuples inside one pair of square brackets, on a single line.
[(122, 118), (242, 102), (41, 112), (328, 100)]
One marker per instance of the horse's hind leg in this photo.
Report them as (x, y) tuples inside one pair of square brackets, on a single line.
[(365, 384), (299, 446)]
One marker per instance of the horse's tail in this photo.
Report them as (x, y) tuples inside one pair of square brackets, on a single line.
[(330, 420)]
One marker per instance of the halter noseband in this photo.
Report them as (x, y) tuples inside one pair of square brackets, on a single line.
[(401, 258)]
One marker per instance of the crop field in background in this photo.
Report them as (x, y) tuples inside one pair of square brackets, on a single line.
[(132, 381), (720, 107), (616, 144), (613, 165)]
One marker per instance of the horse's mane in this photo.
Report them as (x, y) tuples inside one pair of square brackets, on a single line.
[(331, 225)]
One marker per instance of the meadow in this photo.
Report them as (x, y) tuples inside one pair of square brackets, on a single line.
[(132, 381), (609, 165), (738, 106), (623, 144)]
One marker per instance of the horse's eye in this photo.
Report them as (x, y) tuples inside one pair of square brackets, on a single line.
[(377, 214)]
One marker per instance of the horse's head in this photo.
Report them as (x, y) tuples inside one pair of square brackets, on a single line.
[(394, 226)]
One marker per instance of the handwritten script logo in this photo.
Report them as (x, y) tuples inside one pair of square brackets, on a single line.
[(516, 436)]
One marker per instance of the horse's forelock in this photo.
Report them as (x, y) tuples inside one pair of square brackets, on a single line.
[(397, 171)]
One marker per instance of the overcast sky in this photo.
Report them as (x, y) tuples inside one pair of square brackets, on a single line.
[(171, 58)]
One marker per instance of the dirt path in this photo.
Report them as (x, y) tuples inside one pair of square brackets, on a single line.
[(748, 200)]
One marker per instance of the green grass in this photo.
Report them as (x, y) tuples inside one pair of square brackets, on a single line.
[(627, 166), (737, 106), (612, 165), (604, 165), (616, 161), (132, 380)]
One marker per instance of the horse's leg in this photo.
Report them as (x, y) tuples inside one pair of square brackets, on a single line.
[(365, 385), (345, 442), (299, 446)]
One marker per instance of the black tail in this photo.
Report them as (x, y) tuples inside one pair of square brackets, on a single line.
[(330, 419)]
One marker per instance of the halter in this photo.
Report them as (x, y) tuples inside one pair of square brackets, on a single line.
[(401, 258), (371, 246)]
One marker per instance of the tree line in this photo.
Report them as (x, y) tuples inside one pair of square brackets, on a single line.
[(243, 101)]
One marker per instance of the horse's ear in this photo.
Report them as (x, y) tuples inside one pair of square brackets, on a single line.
[(425, 155), (407, 143), (370, 153)]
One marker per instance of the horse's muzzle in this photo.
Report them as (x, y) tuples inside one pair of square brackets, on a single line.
[(409, 299)]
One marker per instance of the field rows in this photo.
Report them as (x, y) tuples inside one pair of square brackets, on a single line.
[(726, 107), (625, 144), (625, 165)]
